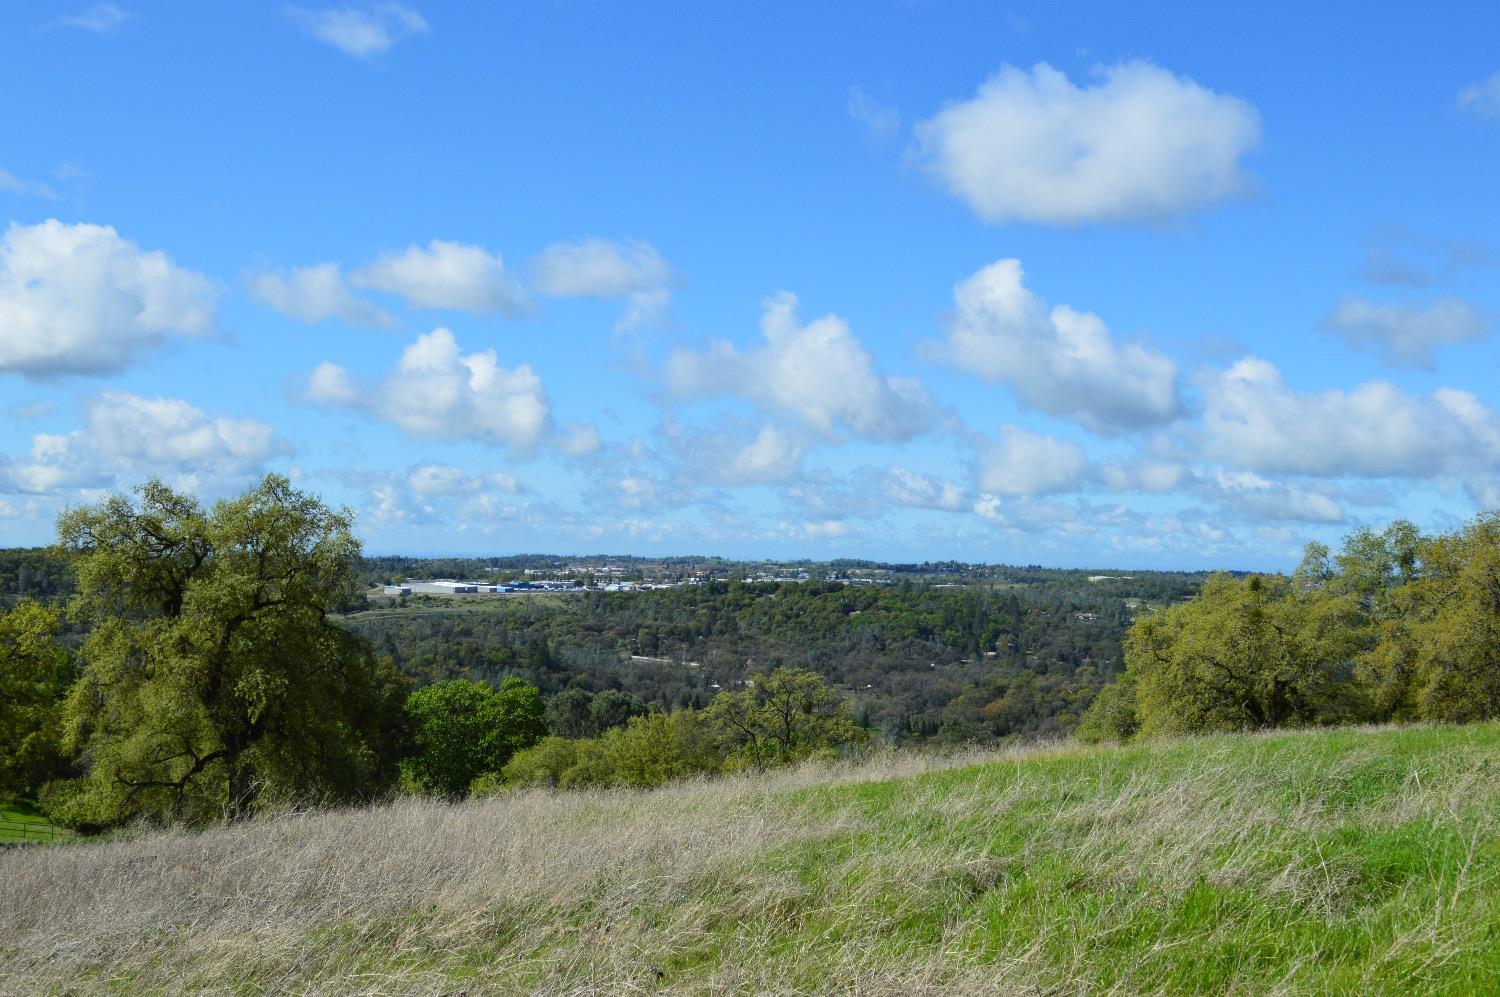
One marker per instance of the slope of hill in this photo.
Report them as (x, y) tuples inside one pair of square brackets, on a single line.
[(1354, 861)]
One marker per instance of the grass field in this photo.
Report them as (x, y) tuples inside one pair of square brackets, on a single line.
[(20, 821), (1359, 861)]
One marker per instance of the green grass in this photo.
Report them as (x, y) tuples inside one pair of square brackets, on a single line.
[(1359, 862), (21, 821)]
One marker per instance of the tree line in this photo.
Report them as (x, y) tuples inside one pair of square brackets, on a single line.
[(1394, 626), (214, 680)]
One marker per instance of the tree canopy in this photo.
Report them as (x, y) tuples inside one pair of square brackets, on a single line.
[(215, 680), (34, 671), (1394, 626), (464, 729)]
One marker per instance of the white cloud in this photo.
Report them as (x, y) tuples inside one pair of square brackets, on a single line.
[(1062, 362), (600, 268), (1263, 498), (127, 437), (920, 491), (78, 299), (1142, 143), (1146, 475), (1025, 463), (363, 32), (733, 452), (445, 275), (330, 384), (827, 529), (644, 310), (1403, 335), (818, 372), (577, 439), (1253, 420), (433, 480), (433, 493), (437, 392), (1026, 516), (314, 294), (773, 456), (9, 181), (100, 18), (1482, 97), (880, 121), (631, 270), (145, 434)]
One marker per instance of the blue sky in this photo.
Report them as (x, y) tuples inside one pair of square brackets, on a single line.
[(1158, 286)]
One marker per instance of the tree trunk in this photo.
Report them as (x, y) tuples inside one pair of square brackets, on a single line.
[(242, 791)]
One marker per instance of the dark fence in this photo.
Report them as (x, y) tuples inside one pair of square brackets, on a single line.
[(17, 832)]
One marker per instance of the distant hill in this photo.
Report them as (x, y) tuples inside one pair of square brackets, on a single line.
[(1349, 861)]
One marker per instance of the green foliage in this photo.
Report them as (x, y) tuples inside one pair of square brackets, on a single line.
[(655, 749), (1248, 653), (1395, 626), (780, 717), (577, 713), (648, 751), (215, 681), (543, 764), (1000, 653), (1439, 652), (462, 730), (39, 573), (1112, 716), (34, 671)]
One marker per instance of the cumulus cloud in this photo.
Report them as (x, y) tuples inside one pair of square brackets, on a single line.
[(1254, 421), (363, 32), (644, 310), (827, 529), (1029, 516), (917, 490), (1143, 475), (1263, 498), (144, 434), (1141, 143), (445, 275), (772, 457), (732, 452), (128, 436), (430, 480), (1404, 335), (880, 121), (630, 270), (1019, 462), (599, 268), (330, 384), (1059, 361), (818, 372), (437, 392), (78, 299), (315, 294), (1482, 97), (433, 493)]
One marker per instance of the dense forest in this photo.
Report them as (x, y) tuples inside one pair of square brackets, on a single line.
[(947, 650), (915, 659)]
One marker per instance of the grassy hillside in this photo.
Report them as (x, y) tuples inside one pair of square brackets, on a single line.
[(1350, 862)]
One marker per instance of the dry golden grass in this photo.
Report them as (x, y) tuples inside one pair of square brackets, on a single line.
[(1349, 862)]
